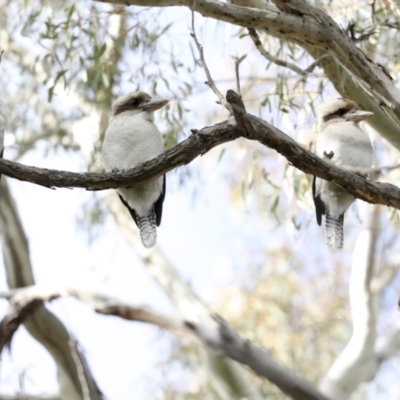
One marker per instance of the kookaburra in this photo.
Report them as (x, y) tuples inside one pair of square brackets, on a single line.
[(130, 139), (4, 117), (342, 141)]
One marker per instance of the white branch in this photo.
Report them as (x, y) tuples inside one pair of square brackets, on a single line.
[(358, 362), (223, 340), (43, 325), (268, 19)]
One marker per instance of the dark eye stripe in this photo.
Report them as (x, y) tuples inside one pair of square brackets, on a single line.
[(131, 103), (338, 113), (341, 111), (134, 102), (126, 107)]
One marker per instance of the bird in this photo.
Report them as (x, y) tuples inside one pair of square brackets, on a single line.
[(132, 138), (343, 142), (4, 117)]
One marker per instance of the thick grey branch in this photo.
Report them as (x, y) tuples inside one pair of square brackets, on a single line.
[(228, 343), (222, 340), (383, 122), (270, 20), (347, 53), (310, 27), (199, 143), (300, 22)]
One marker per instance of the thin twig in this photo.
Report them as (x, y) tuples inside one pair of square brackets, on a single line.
[(210, 82), (316, 63), (257, 42), (236, 61), (1, 55)]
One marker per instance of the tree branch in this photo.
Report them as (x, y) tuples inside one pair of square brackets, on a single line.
[(236, 62), (240, 114), (227, 342), (369, 75), (209, 82), (300, 22), (269, 19), (199, 143), (223, 340), (43, 325), (310, 27), (384, 122), (358, 362), (24, 301), (294, 67)]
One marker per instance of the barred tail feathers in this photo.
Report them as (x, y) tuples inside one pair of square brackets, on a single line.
[(148, 229), (334, 231)]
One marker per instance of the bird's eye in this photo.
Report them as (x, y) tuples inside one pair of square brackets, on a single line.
[(342, 111), (134, 102)]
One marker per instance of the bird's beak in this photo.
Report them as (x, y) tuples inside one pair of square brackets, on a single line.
[(153, 105), (358, 115)]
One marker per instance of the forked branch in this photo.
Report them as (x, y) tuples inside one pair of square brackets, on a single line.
[(223, 340)]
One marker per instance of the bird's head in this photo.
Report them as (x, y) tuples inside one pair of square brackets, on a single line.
[(136, 103), (339, 110)]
